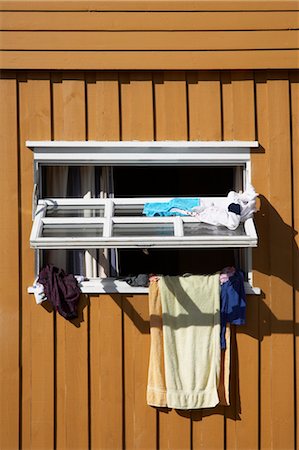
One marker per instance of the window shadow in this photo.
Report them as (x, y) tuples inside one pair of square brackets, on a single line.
[(277, 253)]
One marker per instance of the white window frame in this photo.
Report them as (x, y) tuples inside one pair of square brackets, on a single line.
[(135, 153), (178, 240)]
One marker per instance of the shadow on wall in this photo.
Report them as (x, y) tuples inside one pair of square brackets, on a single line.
[(277, 255)]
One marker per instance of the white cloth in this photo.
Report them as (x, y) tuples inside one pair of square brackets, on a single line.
[(215, 215), (39, 294), (219, 214)]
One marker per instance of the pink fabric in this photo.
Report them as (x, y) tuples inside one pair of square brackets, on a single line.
[(226, 273)]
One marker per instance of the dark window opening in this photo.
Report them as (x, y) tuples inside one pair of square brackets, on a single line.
[(173, 181), (176, 261)]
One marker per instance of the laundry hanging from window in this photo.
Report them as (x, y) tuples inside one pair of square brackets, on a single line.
[(190, 338)]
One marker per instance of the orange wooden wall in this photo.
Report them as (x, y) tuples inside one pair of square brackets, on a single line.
[(149, 35), (82, 386)]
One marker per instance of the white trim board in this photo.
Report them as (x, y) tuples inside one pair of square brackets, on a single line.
[(142, 144), (155, 153), (114, 286)]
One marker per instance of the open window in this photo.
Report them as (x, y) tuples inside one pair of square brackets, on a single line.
[(89, 199)]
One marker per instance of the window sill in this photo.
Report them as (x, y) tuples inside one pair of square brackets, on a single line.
[(113, 286)]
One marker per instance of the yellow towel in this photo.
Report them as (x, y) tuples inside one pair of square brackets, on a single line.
[(156, 390)]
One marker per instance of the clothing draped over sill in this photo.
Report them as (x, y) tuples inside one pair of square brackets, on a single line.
[(189, 364), (237, 207), (61, 290), (165, 209)]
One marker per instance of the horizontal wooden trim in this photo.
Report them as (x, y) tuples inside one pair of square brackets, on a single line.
[(152, 60), (130, 20), (146, 40), (153, 5)]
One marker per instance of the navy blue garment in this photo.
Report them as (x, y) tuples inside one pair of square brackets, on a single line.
[(232, 303), (235, 208)]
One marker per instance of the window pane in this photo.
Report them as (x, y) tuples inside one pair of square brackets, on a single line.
[(128, 210), (142, 229), (78, 211), (202, 229), (73, 230)]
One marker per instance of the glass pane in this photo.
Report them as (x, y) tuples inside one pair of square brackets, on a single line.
[(128, 210), (93, 230), (203, 229), (78, 211), (142, 229)]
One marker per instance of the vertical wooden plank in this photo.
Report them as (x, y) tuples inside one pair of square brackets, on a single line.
[(261, 256), (105, 310), (244, 433), (137, 106), (294, 78), (72, 338), (9, 236), (140, 419), (37, 338), (103, 106), (170, 106), (204, 94), (281, 262), (171, 124), (106, 372), (243, 105), (227, 106)]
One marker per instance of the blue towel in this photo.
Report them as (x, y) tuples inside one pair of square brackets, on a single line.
[(164, 209), (232, 303)]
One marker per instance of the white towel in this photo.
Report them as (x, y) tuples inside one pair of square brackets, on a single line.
[(191, 337)]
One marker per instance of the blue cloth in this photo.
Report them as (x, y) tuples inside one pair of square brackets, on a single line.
[(164, 209), (232, 303)]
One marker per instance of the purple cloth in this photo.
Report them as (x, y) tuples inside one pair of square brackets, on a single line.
[(232, 303), (61, 289)]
